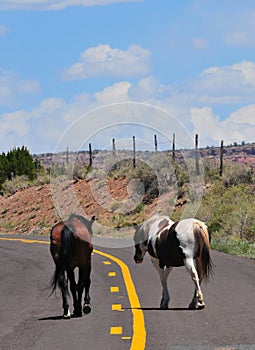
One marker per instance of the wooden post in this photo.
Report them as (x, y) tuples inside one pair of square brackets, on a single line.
[(67, 155), (37, 167), (196, 154), (173, 149), (134, 161), (221, 159), (90, 155), (156, 143), (113, 147)]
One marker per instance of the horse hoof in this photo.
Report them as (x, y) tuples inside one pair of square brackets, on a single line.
[(196, 307), (201, 306), (87, 308), (77, 314), (67, 315), (163, 307)]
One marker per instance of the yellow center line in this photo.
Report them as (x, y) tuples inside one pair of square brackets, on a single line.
[(139, 331), (23, 240)]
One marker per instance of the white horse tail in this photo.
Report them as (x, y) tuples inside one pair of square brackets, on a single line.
[(203, 236)]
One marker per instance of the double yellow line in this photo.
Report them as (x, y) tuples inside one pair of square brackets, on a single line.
[(139, 331)]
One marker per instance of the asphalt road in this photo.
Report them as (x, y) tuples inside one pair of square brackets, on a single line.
[(30, 319)]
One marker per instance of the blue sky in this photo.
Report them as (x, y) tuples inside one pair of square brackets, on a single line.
[(62, 61)]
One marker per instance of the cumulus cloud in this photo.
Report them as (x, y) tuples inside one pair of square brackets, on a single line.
[(117, 92), (104, 61), (193, 103), (54, 4), (224, 85), (16, 123), (13, 87), (238, 127), (244, 33)]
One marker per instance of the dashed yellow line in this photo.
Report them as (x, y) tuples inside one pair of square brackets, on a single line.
[(114, 289), (116, 330), (117, 307), (111, 274), (139, 331)]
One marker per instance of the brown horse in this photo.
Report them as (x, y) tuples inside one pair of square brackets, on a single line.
[(71, 247)]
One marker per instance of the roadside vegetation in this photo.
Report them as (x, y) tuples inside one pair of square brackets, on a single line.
[(228, 208)]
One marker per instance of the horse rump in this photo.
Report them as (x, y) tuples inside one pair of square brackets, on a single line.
[(64, 257)]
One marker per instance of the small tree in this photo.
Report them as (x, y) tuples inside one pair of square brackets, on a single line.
[(17, 162)]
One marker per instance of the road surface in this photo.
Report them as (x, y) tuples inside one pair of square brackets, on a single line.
[(125, 299)]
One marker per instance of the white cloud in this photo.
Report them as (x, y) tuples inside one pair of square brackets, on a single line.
[(248, 71), (224, 85), (244, 115), (243, 35), (16, 123), (54, 4), (13, 87), (104, 61), (238, 127), (118, 92), (193, 103), (148, 88)]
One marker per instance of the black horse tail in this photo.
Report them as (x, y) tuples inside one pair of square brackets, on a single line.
[(65, 256), (204, 242)]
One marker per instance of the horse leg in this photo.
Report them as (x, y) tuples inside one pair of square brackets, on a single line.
[(198, 299), (62, 282), (80, 288), (87, 305), (163, 274), (73, 288)]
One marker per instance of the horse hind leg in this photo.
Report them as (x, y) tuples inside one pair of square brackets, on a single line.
[(62, 283), (84, 282), (197, 301), (87, 305), (73, 288)]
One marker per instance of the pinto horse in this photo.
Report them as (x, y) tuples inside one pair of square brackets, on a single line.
[(172, 244), (71, 247)]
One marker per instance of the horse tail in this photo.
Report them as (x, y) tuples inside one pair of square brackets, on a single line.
[(201, 231), (65, 256)]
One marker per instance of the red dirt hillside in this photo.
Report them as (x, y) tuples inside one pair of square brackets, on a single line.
[(32, 210)]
